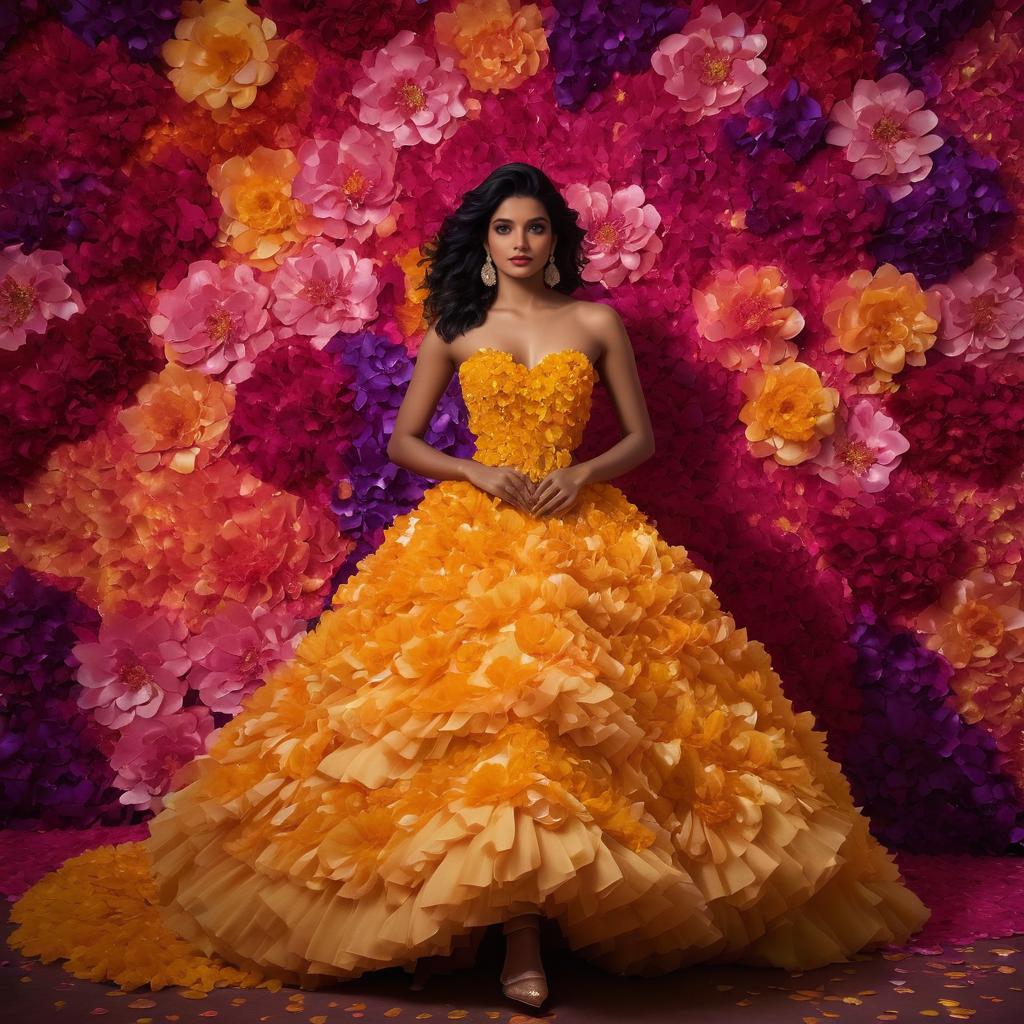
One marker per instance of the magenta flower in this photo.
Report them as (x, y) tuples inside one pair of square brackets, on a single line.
[(347, 185), (621, 242), (216, 319), (409, 94), (885, 133), (150, 752), (862, 453), (323, 290), (711, 66), (982, 314), (135, 669), (236, 650), (32, 292)]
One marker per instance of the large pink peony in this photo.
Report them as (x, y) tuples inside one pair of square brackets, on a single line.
[(135, 668), (33, 291), (215, 320), (237, 648), (408, 94), (151, 752), (862, 453), (885, 133), (621, 242), (982, 314), (711, 66), (324, 290), (347, 185)]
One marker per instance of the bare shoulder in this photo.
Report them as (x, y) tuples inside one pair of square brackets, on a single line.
[(433, 347), (603, 323)]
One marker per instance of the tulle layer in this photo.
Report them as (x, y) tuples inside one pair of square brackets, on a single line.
[(503, 713)]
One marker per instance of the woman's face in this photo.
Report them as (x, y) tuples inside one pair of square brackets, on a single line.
[(520, 226)]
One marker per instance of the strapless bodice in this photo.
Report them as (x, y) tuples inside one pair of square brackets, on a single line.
[(530, 418)]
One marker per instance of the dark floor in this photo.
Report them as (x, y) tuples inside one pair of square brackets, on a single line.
[(981, 982)]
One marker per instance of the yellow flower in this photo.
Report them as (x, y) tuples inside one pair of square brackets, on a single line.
[(260, 217), (788, 412), (883, 321), (222, 53), (502, 45), (181, 420)]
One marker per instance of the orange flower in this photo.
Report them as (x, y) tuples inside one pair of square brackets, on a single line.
[(746, 317), (501, 44), (883, 321), (222, 54), (181, 420), (260, 218), (788, 412)]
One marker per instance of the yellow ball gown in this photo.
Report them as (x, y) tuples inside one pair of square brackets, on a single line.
[(500, 713)]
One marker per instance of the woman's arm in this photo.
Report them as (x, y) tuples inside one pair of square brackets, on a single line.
[(431, 375)]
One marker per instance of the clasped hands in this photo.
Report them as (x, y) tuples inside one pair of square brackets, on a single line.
[(555, 493)]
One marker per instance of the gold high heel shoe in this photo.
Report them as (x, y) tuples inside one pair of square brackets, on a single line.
[(529, 987)]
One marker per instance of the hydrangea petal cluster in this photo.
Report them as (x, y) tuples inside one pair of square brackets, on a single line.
[(215, 320), (976, 620), (325, 289), (33, 290), (882, 321), (789, 119), (712, 65), (746, 318), (500, 43), (180, 420), (959, 210), (982, 314), (884, 132), (788, 412), (223, 51), (621, 242), (261, 217), (142, 25), (347, 185), (136, 667), (408, 94), (862, 453), (151, 751), (236, 650)]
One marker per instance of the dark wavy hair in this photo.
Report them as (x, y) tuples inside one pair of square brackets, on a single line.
[(457, 300)]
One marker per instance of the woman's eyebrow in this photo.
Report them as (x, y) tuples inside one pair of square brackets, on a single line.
[(508, 220)]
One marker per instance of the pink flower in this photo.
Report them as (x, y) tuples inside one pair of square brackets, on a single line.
[(885, 133), (862, 453), (712, 65), (32, 292), (621, 240), (150, 753), (347, 185), (236, 649), (135, 668), (408, 94), (324, 290), (216, 319), (982, 314)]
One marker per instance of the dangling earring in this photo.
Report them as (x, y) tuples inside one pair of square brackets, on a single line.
[(487, 272), (551, 274)]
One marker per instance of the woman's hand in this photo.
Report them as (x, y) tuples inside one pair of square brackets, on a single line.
[(505, 482), (557, 491)]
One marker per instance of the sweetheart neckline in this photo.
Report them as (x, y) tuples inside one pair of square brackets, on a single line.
[(528, 369)]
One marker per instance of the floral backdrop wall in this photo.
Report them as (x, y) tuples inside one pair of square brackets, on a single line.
[(213, 218)]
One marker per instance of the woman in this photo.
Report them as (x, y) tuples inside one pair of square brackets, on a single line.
[(524, 704)]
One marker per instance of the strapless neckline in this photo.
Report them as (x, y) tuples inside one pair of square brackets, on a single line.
[(529, 369)]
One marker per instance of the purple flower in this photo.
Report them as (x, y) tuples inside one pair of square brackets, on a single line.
[(910, 32), (789, 119), (379, 489), (948, 218), (928, 781), (590, 41), (142, 25)]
